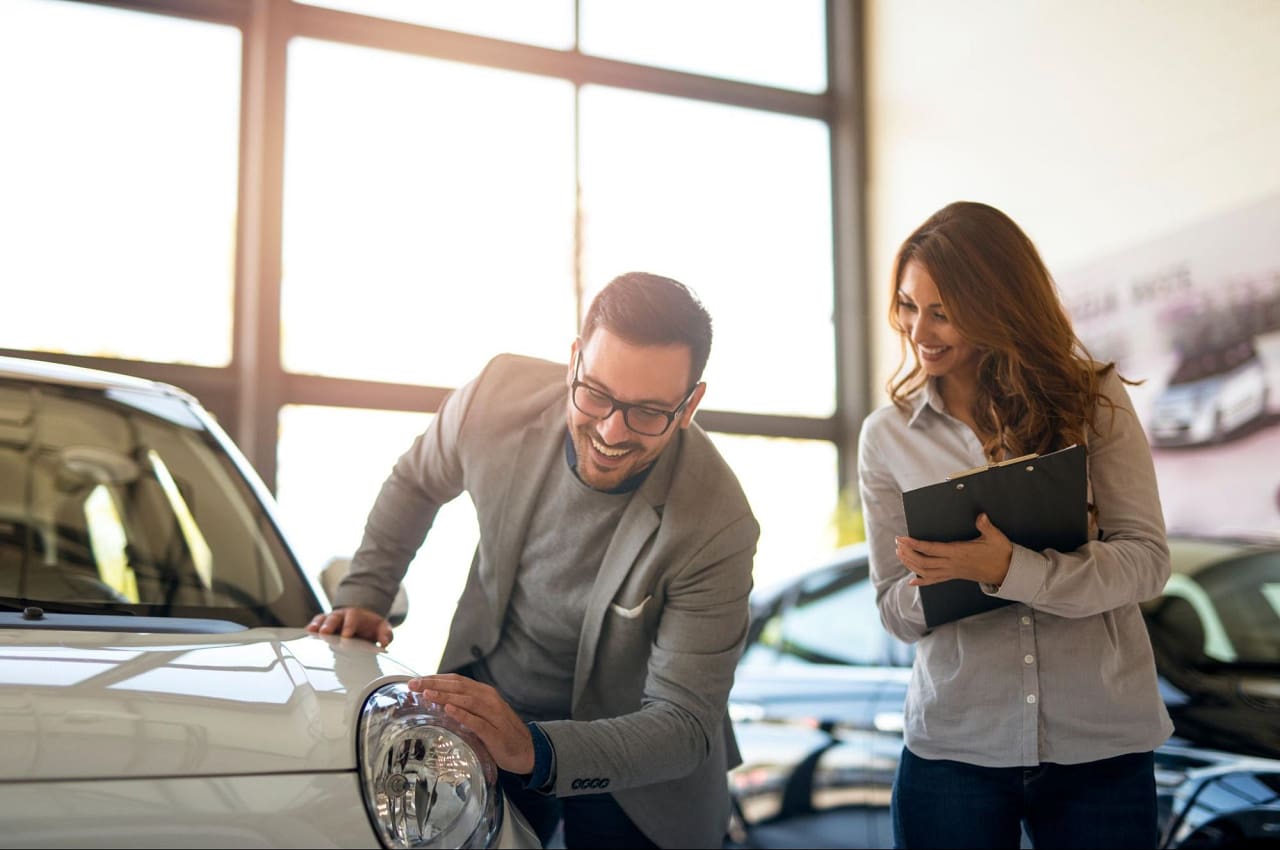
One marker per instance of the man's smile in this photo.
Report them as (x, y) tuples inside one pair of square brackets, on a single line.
[(606, 450)]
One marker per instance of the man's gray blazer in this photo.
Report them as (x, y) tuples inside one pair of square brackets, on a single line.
[(667, 617)]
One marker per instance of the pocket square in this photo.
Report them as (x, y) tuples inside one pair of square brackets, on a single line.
[(629, 613)]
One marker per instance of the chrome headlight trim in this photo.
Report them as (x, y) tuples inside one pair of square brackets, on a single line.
[(426, 780)]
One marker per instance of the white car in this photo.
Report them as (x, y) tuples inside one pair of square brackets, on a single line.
[(157, 684), (1211, 395)]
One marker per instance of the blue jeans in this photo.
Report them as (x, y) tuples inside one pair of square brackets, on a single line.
[(1107, 803), (590, 820)]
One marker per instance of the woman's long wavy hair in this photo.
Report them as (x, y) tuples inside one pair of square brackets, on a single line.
[(1038, 388)]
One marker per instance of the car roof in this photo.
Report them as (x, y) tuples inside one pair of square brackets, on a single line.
[(1190, 552), (48, 372), (843, 557)]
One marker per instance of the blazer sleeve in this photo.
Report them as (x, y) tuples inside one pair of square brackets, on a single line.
[(700, 638)]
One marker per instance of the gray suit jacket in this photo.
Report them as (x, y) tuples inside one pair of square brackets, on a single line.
[(667, 616)]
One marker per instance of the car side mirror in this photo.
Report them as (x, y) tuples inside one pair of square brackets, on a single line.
[(332, 575)]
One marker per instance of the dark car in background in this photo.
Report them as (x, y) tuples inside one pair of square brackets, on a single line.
[(817, 703)]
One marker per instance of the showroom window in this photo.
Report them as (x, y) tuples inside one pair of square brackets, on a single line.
[(323, 217), (791, 485), (737, 204), (325, 495), (548, 23), (118, 166), (719, 38), (428, 215)]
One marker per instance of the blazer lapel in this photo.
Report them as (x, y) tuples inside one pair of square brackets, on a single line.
[(540, 445)]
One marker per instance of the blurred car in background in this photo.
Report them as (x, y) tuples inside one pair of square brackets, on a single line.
[(157, 683), (1213, 393), (817, 703)]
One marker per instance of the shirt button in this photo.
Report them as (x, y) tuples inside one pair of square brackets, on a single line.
[(1026, 621), (1031, 699), (1029, 658)]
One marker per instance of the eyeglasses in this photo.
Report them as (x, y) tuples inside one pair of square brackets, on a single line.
[(644, 420)]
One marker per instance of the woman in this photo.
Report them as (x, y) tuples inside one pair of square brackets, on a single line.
[(1045, 711)]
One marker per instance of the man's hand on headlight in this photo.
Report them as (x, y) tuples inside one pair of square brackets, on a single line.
[(482, 710)]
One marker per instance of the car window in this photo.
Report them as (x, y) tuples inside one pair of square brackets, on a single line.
[(1226, 612), (125, 501), (1197, 366), (832, 619), (1246, 596)]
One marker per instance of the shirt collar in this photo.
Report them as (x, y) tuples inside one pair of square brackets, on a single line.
[(927, 397)]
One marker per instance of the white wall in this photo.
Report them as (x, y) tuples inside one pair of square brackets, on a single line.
[(1095, 124)]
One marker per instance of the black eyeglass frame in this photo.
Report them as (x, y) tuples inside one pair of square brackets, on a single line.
[(625, 407)]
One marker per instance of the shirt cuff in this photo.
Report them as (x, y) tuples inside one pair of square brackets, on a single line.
[(543, 778), (1027, 573)]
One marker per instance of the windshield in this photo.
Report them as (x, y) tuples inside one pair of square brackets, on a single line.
[(831, 619), (122, 501), (1212, 363), (1226, 612)]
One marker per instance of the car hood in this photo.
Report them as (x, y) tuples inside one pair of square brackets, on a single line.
[(105, 705)]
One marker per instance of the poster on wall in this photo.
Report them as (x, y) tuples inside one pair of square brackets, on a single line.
[(1195, 316)]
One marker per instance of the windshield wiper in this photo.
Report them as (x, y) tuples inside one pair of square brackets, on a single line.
[(48, 606)]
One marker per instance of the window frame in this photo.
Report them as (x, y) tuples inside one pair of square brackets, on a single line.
[(248, 394)]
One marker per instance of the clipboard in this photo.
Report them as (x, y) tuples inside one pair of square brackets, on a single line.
[(1038, 501)]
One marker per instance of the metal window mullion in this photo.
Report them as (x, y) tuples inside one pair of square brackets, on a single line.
[(846, 83), (232, 12), (256, 355), (345, 27), (328, 391), (768, 425)]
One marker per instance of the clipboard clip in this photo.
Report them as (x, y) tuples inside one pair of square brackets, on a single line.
[(1010, 462)]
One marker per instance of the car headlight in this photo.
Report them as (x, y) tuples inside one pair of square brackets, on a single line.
[(427, 781)]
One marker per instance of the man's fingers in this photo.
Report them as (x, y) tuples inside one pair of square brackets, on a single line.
[(473, 702), (502, 744), (475, 722), (482, 710), (448, 682), (479, 702)]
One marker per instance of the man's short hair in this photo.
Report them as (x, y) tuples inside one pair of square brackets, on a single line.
[(648, 309)]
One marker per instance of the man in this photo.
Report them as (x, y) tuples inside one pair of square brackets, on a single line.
[(595, 641)]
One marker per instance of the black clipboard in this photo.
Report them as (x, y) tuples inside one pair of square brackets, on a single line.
[(1038, 501)]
